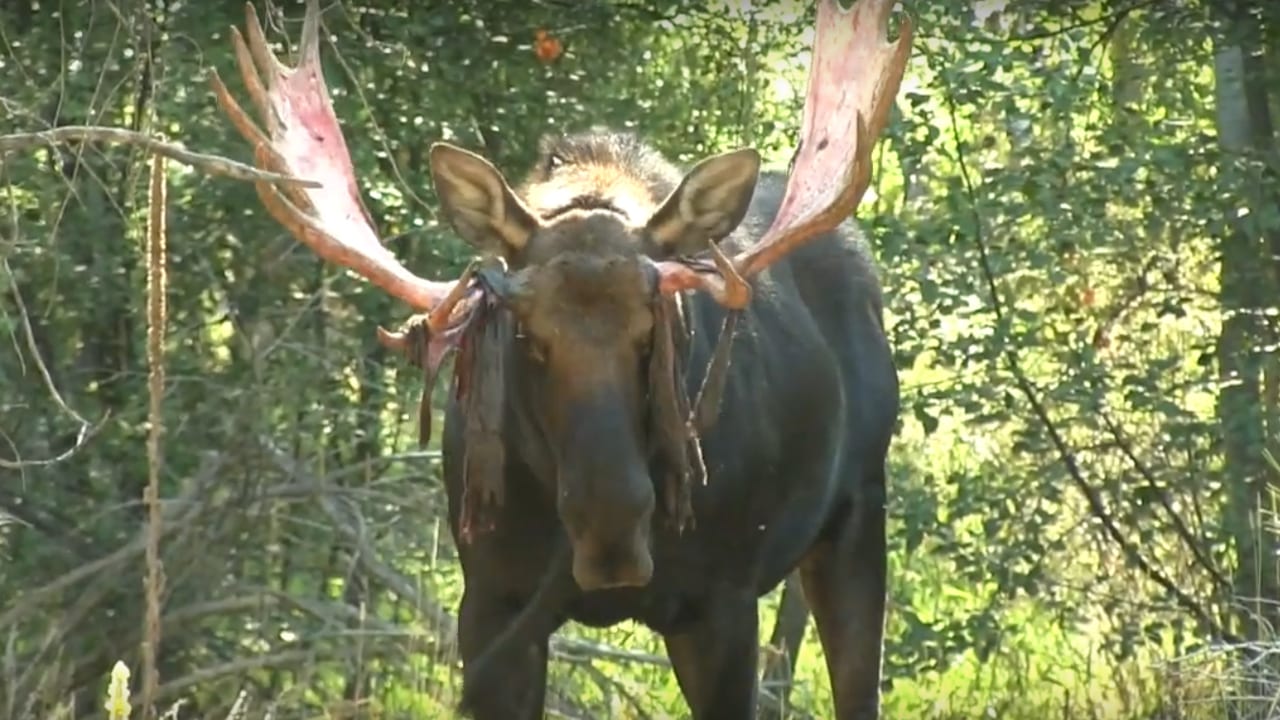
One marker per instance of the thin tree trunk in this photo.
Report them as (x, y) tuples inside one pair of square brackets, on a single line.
[(1243, 124), (783, 649)]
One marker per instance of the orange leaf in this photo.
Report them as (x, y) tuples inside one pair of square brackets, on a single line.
[(546, 46)]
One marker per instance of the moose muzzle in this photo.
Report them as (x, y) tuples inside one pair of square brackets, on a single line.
[(607, 515)]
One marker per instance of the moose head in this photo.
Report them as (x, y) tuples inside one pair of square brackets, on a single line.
[(572, 328), (592, 375)]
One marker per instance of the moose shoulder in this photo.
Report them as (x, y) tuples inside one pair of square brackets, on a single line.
[(672, 388)]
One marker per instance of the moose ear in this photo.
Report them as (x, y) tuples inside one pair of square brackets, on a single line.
[(478, 202), (708, 204)]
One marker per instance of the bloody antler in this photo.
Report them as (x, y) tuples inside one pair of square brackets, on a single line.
[(854, 77), (303, 139)]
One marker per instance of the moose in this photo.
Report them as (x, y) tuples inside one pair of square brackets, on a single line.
[(671, 389)]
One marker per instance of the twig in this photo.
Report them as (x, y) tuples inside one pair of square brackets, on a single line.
[(1113, 19), (1126, 448), (87, 429), (178, 513), (1097, 507), (609, 685), (212, 164), (156, 316), (240, 666), (89, 598), (1113, 25), (442, 621)]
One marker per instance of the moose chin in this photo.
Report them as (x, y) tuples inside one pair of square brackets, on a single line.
[(671, 387)]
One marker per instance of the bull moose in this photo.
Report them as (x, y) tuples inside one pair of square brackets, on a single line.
[(670, 389)]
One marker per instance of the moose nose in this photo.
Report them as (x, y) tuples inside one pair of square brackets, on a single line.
[(608, 526), (625, 564)]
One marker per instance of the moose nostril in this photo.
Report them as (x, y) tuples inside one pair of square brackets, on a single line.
[(620, 565)]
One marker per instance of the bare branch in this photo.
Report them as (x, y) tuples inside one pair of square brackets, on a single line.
[(87, 429), (239, 666), (440, 619), (1126, 448), (178, 513), (1112, 21), (1066, 454), (211, 164)]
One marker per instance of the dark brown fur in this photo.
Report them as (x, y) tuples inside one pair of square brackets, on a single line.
[(597, 372)]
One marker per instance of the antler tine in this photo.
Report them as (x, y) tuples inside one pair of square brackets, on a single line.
[(854, 77), (720, 279), (303, 138)]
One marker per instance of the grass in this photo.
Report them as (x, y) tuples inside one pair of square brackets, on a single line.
[(1213, 683)]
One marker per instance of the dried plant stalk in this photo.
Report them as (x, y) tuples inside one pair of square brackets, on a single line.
[(156, 317)]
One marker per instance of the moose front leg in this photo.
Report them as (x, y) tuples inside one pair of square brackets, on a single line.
[(514, 688), (844, 580), (715, 659)]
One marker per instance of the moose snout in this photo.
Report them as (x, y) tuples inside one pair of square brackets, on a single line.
[(608, 525), (619, 564)]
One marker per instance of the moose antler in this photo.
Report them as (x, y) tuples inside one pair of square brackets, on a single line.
[(854, 75), (303, 139)]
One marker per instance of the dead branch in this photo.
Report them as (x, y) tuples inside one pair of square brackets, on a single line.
[(239, 666), (211, 164), (783, 649), (609, 685), (1125, 445), (87, 429), (90, 596), (177, 513), (350, 526)]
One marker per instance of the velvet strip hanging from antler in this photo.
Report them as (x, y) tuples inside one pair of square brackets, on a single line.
[(479, 373), (711, 393), (675, 441), (676, 425)]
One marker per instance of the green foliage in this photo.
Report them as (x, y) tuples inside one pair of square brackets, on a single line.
[(1076, 482)]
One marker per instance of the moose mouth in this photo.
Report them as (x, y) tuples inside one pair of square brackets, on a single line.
[(606, 502), (605, 566)]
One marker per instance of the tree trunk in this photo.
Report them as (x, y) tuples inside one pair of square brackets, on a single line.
[(1244, 130)]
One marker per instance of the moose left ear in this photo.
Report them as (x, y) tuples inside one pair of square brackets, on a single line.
[(709, 203), (477, 201)]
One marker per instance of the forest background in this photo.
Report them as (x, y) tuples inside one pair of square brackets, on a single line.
[(1077, 213)]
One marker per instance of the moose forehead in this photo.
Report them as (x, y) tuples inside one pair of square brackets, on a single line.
[(597, 170), (595, 234), (585, 269), (622, 152), (589, 187)]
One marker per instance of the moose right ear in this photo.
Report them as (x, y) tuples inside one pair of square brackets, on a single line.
[(478, 203), (709, 203)]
